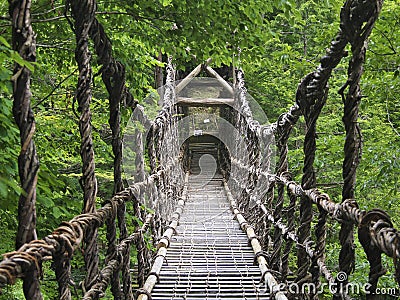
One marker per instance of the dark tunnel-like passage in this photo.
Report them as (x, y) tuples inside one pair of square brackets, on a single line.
[(205, 154)]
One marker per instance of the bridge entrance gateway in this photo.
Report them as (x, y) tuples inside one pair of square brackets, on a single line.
[(204, 205)]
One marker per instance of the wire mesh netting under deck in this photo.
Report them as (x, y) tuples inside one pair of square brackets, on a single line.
[(210, 257)]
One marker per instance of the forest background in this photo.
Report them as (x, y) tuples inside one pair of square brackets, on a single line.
[(276, 43)]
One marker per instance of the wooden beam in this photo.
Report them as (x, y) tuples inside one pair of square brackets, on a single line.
[(222, 81), (269, 278), (187, 79), (204, 101), (192, 75)]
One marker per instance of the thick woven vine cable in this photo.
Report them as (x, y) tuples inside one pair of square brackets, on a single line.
[(83, 13), (279, 262), (115, 82), (282, 129), (311, 105), (357, 32), (110, 66), (310, 97), (65, 239), (358, 18), (314, 87), (24, 43), (113, 75), (290, 216), (111, 255)]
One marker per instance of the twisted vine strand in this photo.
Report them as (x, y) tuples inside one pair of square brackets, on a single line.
[(83, 13), (66, 238), (276, 257), (113, 75), (311, 97), (115, 82), (358, 21), (24, 42)]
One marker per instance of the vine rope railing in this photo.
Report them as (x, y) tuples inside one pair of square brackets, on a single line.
[(265, 199), (24, 42), (164, 181), (375, 230), (163, 186)]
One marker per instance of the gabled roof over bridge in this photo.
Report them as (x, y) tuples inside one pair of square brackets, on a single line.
[(204, 101)]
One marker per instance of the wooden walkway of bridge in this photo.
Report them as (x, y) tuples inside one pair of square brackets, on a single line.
[(229, 234), (209, 257)]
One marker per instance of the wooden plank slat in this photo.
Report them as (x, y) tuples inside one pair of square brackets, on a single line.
[(185, 101)]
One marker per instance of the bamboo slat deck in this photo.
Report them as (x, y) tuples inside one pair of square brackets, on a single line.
[(210, 257)]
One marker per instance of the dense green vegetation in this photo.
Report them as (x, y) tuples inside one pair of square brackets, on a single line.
[(275, 42)]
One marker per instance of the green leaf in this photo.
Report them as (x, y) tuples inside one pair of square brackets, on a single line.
[(166, 2), (57, 212), (3, 189), (46, 202), (4, 42), (23, 63)]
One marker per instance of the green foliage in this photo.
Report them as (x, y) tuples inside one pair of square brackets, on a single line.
[(9, 188), (280, 41)]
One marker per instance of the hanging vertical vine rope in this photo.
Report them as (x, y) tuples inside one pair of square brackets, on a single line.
[(83, 13), (113, 75), (357, 26), (24, 43)]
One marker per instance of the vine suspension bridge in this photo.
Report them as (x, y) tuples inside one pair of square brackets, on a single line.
[(215, 218)]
